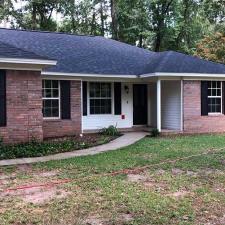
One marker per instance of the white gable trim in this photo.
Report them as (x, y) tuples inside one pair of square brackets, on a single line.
[(28, 61), (88, 75), (157, 74)]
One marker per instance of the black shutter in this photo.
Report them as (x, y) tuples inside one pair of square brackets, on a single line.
[(204, 98), (223, 97), (2, 98), (65, 99), (117, 98), (84, 98)]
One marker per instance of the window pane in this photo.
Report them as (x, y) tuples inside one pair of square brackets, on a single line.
[(47, 93), (218, 84), (55, 93), (213, 92), (94, 89), (100, 106), (55, 112), (106, 90), (47, 84), (55, 103), (46, 103), (47, 112), (55, 84), (218, 92), (214, 105), (50, 89), (209, 84), (100, 98)]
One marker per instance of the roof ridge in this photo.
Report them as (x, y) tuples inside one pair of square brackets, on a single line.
[(46, 32)]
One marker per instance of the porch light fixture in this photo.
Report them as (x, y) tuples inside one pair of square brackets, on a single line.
[(126, 88)]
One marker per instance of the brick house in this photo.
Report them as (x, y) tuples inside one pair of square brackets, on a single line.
[(55, 84)]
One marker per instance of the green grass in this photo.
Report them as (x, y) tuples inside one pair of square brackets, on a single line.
[(117, 199)]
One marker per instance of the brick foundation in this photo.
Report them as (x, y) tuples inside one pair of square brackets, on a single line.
[(60, 128), (24, 107), (193, 121)]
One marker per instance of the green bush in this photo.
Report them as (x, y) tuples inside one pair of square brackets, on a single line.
[(155, 132), (111, 131), (36, 149)]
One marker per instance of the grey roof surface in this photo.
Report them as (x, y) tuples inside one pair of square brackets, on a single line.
[(9, 51), (175, 62), (98, 55)]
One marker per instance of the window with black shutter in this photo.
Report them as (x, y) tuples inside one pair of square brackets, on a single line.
[(56, 99), (211, 97), (2, 98)]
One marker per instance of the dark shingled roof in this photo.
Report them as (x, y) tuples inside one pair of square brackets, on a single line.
[(175, 62), (98, 55), (9, 51)]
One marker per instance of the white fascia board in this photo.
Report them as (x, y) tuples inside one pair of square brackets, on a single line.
[(81, 75), (199, 75), (28, 61)]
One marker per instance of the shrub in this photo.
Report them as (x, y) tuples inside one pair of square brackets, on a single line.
[(155, 132), (48, 147), (110, 131), (1, 141)]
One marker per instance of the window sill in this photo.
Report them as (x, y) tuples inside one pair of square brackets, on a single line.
[(215, 114), (52, 119)]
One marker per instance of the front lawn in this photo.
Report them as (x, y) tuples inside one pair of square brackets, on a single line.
[(52, 146), (154, 181)]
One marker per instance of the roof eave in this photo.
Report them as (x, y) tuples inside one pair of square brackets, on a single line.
[(44, 62), (87, 75), (199, 75)]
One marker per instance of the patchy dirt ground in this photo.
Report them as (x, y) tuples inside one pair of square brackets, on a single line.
[(118, 191)]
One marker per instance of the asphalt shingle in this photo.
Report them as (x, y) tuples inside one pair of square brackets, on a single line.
[(9, 51), (98, 55)]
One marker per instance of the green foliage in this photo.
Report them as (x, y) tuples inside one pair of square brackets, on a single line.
[(155, 132), (1, 142), (36, 149), (111, 131)]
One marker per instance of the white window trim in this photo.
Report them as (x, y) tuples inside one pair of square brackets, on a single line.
[(221, 97), (58, 98), (88, 99)]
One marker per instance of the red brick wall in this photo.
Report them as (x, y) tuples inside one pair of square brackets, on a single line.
[(193, 121), (24, 104), (59, 128)]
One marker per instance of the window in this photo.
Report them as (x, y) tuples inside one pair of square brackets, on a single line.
[(51, 98), (214, 97), (100, 98)]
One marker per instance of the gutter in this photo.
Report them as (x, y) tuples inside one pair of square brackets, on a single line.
[(29, 61)]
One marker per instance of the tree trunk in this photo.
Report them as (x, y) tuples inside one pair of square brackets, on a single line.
[(34, 16), (73, 8), (114, 20), (93, 26), (158, 42), (141, 41), (102, 20)]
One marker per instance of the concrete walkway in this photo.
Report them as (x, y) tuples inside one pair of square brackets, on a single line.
[(123, 141)]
